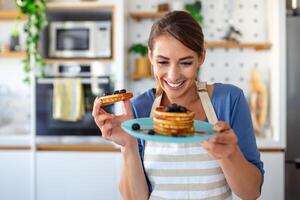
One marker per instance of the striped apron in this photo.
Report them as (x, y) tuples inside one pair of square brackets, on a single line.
[(185, 171)]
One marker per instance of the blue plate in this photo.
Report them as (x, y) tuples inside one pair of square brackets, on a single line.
[(147, 123)]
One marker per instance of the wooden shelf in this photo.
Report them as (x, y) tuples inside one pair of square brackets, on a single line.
[(146, 15), (271, 150), (256, 46), (77, 147), (82, 60), (13, 54), (9, 15), (14, 148), (58, 6)]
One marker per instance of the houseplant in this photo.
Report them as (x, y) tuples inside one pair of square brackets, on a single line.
[(14, 40), (142, 63), (195, 10), (35, 10)]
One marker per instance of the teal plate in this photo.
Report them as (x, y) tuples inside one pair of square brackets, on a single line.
[(147, 123)]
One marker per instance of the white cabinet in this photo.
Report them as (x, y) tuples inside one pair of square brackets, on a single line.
[(15, 175), (273, 187), (78, 175)]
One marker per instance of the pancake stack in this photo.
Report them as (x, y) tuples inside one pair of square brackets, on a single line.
[(174, 120)]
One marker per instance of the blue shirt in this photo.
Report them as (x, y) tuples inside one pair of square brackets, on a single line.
[(230, 106)]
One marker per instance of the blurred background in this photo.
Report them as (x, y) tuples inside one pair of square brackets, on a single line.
[(56, 56)]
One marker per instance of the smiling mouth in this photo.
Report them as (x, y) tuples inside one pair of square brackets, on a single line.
[(175, 85)]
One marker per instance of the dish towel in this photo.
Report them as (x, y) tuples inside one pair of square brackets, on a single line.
[(68, 99)]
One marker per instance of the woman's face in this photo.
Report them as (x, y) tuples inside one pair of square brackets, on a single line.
[(175, 66)]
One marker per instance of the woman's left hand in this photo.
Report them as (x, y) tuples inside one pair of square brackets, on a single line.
[(223, 144)]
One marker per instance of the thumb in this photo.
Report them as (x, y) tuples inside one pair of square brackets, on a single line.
[(128, 108)]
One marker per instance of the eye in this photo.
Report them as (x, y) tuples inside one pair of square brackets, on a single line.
[(187, 63), (163, 62)]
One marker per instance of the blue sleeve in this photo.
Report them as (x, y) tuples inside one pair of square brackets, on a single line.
[(241, 123), (141, 107), (140, 142)]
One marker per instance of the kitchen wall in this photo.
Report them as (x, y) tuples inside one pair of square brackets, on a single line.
[(15, 95)]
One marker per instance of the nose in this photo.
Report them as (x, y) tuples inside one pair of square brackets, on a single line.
[(173, 73)]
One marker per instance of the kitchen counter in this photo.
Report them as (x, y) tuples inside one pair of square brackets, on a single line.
[(17, 141), (78, 147), (90, 143)]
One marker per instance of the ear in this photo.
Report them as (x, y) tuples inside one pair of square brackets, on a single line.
[(202, 57), (150, 55)]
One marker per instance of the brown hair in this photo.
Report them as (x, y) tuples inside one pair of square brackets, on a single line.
[(182, 26)]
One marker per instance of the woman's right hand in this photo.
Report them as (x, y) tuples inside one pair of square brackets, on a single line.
[(110, 124)]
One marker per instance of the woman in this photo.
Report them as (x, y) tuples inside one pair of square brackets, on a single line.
[(212, 169)]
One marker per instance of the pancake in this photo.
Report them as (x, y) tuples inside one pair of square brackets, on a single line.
[(175, 122), (111, 99)]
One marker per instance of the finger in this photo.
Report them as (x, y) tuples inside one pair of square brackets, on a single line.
[(221, 126), (228, 138), (205, 145), (221, 150), (106, 130), (97, 107), (101, 119), (128, 108)]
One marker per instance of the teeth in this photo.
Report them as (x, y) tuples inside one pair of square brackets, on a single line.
[(174, 85)]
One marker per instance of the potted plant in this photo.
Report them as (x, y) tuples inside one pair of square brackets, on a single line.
[(35, 10), (142, 63), (14, 40), (195, 10)]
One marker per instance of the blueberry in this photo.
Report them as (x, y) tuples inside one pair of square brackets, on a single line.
[(116, 92), (123, 91), (136, 126), (169, 109), (151, 132), (182, 109), (107, 93), (173, 106)]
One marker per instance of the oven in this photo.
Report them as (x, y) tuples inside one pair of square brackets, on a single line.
[(93, 86)]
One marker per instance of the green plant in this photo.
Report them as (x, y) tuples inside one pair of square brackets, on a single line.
[(35, 10), (195, 10), (15, 31), (139, 49)]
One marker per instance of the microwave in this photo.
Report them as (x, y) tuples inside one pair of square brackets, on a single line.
[(80, 39)]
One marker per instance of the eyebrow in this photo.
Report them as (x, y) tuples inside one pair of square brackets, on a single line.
[(163, 57), (187, 57), (184, 58)]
